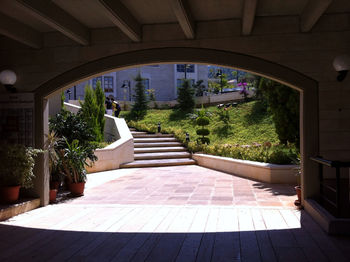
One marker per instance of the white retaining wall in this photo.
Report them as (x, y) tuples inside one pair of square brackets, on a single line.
[(264, 172)]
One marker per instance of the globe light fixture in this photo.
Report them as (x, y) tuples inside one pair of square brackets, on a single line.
[(341, 64), (8, 79)]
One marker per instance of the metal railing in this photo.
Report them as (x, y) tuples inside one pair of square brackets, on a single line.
[(335, 189)]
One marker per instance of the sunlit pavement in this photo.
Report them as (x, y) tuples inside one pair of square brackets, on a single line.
[(185, 213)]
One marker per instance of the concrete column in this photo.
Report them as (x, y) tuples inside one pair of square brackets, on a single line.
[(41, 170), (309, 141)]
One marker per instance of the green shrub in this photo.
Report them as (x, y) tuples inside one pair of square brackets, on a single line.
[(185, 96), (203, 132), (202, 120), (140, 107)]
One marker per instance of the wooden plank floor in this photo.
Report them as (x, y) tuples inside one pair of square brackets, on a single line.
[(167, 233), (104, 226)]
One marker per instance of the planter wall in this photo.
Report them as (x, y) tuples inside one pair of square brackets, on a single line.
[(264, 172)]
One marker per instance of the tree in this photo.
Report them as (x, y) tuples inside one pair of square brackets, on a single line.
[(100, 101), (283, 103), (140, 107), (199, 88), (89, 111), (185, 96)]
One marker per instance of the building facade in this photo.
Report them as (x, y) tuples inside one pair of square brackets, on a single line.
[(164, 79)]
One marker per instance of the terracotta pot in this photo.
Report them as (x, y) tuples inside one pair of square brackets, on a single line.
[(298, 191), (9, 194), (77, 189), (53, 194)]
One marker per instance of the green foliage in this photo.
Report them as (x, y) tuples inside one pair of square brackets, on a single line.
[(247, 129), (90, 111), (140, 107), (283, 103), (199, 88), (17, 163), (202, 120), (73, 157), (224, 115), (185, 97), (51, 144), (63, 98), (70, 127), (203, 132), (100, 113)]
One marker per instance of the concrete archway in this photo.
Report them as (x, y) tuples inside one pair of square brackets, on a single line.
[(307, 87)]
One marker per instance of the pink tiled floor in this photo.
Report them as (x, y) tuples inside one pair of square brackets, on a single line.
[(188, 185)]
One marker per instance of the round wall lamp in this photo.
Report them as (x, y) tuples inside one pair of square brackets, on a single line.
[(341, 64), (8, 79)]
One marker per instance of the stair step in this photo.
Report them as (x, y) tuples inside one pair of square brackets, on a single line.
[(138, 133), (159, 162), (146, 135), (160, 144), (132, 129), (154, 140), (162, 155), (159, 149)]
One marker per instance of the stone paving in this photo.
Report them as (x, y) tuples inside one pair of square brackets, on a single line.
[(183, 214), (189, 185)]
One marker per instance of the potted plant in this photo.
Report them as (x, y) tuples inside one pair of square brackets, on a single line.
[(17, 163), (73, 159), (297, 188), (51, 146)]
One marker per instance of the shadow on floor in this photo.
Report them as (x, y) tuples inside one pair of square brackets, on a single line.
[(275, 189), (307, 243)]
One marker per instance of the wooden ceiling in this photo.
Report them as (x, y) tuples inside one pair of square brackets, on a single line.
[(27, 21)]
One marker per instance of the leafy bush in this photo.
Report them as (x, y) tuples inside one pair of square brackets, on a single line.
[(283, 103), (17, 163), (202, 120), (70, 127)]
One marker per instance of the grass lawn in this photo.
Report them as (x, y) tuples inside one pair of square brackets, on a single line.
[(248, 124), (249, 134)]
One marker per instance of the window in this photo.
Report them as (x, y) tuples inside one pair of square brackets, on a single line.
[(108, 84), (95, 80), (181, 68)]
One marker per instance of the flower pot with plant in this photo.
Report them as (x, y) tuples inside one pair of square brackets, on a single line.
[(17, 163), (73, 162), (297, 188), (56, 177)]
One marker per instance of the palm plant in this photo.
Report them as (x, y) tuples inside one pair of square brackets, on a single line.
[(74, 161)]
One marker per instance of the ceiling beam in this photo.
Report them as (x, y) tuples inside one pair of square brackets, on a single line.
[(183, 14), (248, 16), (312, 12), (57, 18), (122, 18), (20, 32)]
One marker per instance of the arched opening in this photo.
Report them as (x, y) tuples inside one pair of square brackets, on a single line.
[(307, 87)]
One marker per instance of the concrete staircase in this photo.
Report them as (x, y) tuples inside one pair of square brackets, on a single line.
[(154, 150)]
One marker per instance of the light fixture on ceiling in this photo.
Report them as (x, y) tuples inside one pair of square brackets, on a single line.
[(8, 79), (341, 64)]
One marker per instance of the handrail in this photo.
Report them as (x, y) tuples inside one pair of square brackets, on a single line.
[(330, 163)]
